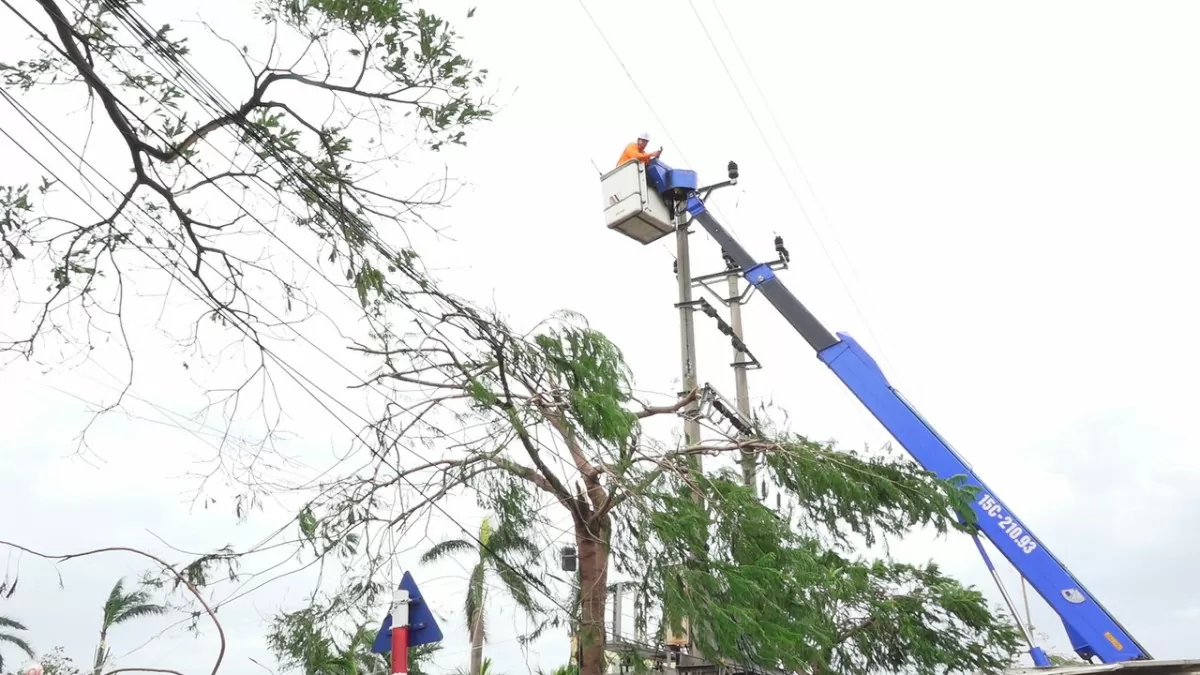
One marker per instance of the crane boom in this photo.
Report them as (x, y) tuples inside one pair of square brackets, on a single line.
[(1093, 631)]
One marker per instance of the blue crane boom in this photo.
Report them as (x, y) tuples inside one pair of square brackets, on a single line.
[(1093, 631)]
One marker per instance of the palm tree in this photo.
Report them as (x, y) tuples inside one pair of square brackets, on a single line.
[(14, 640), (507, 538), (122, 607)]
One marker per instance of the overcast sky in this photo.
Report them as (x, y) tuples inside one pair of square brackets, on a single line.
[(999, 201)]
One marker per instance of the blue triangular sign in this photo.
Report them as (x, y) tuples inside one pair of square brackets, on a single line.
[(422, 627)]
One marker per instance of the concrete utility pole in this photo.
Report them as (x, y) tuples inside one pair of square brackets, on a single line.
[(741, 380), (743, 360), (687, 351), (687, 328)]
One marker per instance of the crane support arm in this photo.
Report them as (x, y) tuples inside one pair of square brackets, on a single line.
[(1093, 631)]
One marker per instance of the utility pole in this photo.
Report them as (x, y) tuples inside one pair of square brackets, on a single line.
[(687, 353), (687, 329), (741, 380), (743, 360)]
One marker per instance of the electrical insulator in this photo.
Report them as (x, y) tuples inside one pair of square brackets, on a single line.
[(733, 170), (783, 252), (675, 267)]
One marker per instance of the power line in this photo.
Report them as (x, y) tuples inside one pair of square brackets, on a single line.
[(621, 62), (288, 368), (298, 377), (795, 161), (645, 99), (779, 165), (216, 94)]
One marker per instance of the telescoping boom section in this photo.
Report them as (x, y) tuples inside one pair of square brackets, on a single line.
[(1093, 631)]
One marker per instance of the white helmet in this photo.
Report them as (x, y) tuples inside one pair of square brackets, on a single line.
[(644, 136)]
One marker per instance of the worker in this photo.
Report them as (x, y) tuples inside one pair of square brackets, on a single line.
[(637, 150)]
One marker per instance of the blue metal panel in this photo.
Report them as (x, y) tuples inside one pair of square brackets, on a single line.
[(682, 179), (423, 628), (759, 274), (1082, 614), (656, 176)]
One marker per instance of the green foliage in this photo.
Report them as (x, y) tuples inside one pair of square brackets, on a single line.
[(764, 590), (497, 550), (397, 61), (786, 588), (504, 548), (56, 662), (487, 667), (409, 45), (872, 497), (567, 669), (593, 372), (121, 607), (309, 641)]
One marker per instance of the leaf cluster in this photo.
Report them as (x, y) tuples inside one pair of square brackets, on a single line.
[(309, 641)]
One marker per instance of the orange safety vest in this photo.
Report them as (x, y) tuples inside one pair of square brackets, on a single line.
[(633, 152)]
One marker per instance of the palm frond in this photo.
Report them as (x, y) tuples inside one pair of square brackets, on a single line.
[(446, 548), (17, 642), (112, 605), (138, 611), (6, 622), (487, 667), (511, 537), (518, 589)]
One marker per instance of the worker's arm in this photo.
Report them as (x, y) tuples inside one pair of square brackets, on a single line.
[(645, 157)]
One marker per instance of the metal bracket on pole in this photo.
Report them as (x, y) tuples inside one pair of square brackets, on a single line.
[(727, 411), (703, 281), (732, 167), (703, 305)]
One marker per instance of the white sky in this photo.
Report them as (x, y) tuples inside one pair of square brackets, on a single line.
[(1006, 195)]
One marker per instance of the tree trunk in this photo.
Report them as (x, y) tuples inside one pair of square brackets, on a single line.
[(592, 541), (477, 641), (101, 654)]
